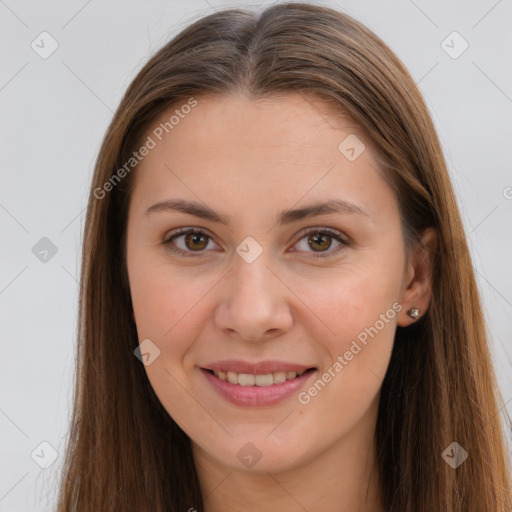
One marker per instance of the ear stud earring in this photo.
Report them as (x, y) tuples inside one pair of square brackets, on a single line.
[(414, 313)]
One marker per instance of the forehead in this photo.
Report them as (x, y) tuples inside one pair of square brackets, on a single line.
[(243, 122), (236, 150)]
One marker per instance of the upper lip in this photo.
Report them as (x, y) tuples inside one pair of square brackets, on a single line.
[(256, 368)]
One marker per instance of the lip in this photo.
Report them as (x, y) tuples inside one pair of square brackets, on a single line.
[(257, 396), (256, 368)]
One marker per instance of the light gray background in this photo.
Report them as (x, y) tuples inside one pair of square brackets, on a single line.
[(55, 111)]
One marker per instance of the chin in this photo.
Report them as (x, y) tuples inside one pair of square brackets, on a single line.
[(254, 454)]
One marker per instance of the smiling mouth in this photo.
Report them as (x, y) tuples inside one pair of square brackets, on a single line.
[(247, 379)]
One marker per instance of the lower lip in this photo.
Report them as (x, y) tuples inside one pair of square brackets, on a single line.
[(257, 396)]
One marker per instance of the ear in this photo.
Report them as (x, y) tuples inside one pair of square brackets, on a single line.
[(417, 285)]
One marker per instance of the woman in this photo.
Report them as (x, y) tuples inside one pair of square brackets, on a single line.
[(278, 306)]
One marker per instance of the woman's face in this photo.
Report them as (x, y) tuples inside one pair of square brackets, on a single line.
[(272, 284)]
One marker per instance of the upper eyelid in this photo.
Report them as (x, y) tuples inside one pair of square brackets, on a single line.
[(185, 231), (304, 231)]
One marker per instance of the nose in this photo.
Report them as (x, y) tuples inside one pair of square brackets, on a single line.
[(254, 304)]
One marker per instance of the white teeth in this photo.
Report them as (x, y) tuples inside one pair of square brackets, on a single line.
[(246, 379), (279, 377), (232, 377), (264, 380)]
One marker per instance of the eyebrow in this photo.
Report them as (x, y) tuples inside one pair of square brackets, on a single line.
[(286, 216)]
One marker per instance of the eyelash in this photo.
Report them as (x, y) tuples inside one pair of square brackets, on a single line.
[(323, 231)]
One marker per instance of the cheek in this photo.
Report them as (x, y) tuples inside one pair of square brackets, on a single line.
[(168, 306), (358, 310), (352, 300), (169, 311)]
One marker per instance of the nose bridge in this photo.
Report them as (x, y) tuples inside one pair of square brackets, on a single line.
[(250, 267), (253, 281), (254, 302)]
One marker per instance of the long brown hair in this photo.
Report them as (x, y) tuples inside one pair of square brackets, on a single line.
[(125, 452)]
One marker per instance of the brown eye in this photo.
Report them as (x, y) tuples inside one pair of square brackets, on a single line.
[(188, 241), (319, 241), (196, 241)]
